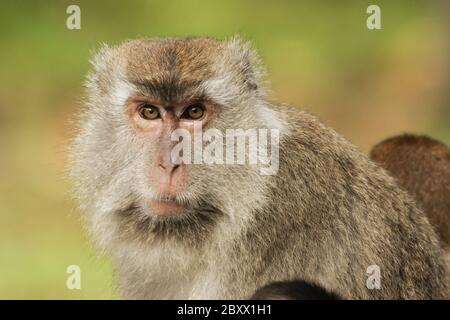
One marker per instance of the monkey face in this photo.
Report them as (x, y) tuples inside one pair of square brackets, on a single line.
[(139, 94), (154, 122)]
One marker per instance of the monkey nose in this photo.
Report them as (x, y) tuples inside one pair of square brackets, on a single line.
[(168, 167), (168, 178)]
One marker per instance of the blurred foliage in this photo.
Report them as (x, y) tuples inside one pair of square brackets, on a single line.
[(319, 55)]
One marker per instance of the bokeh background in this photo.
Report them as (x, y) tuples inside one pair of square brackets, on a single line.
[(320, 56)]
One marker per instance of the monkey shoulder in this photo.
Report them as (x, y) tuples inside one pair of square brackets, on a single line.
[(335, 198)]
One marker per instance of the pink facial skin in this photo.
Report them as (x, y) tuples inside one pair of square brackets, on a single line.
[(165, 177)]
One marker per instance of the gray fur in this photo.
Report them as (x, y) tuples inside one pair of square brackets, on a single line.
[(325, 217)]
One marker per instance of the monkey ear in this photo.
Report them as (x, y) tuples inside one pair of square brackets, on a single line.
[(241, 57)]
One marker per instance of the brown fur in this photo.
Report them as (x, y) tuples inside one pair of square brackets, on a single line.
[(421, 165)]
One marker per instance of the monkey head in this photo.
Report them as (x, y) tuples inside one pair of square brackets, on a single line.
[(138, 94)]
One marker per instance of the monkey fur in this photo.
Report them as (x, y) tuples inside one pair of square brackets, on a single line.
[(421, 165), (326, 216)]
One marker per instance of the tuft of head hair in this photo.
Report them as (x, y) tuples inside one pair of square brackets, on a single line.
[(227, 71)]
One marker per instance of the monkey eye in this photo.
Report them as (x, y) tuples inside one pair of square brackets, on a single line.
[(148, 112), (194, 112)]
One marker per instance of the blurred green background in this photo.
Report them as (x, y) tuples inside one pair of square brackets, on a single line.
[(320, 56)]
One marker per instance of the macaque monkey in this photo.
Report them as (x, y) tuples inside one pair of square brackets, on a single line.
[(421, 166), (292, 290), (177, 229)]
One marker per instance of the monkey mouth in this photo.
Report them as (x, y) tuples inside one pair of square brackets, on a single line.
[(166, 205), (165, 198)]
